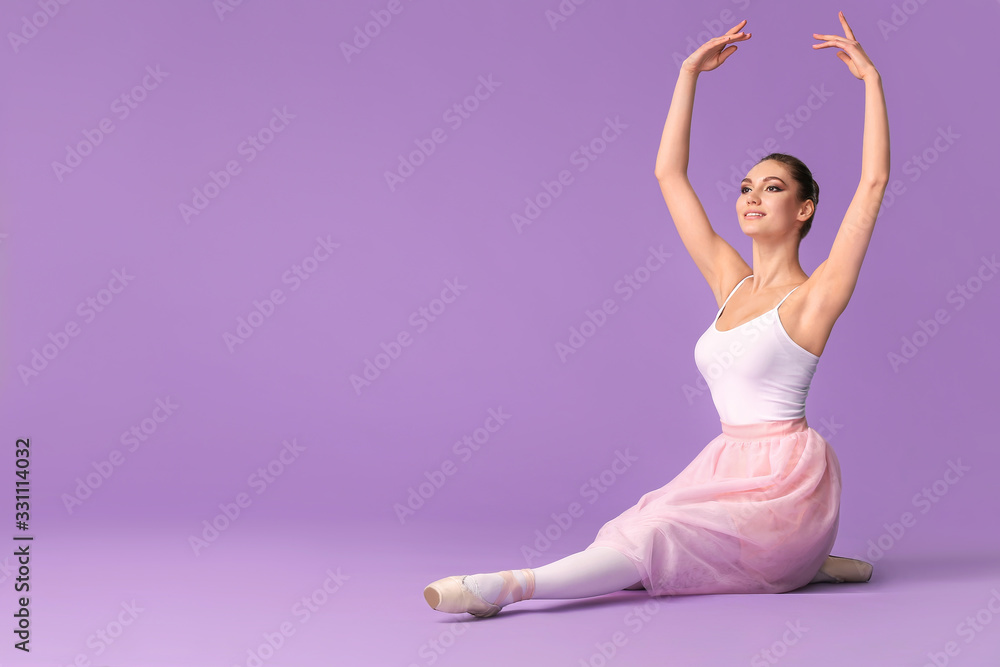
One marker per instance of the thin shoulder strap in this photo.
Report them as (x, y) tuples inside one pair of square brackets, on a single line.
[(786, 296), (722, 307)]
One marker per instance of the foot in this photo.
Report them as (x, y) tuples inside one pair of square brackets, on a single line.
[(481, 595), (837, 570)]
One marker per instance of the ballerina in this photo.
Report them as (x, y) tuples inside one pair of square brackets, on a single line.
[(757, 510)]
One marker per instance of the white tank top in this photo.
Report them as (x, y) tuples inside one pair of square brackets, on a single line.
[(756, 372)]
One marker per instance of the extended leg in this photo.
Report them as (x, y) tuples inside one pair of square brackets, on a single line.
[(586, 573), (596, 571)]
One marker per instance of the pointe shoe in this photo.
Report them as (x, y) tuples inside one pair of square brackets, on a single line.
[(838, 570), (451, 595)]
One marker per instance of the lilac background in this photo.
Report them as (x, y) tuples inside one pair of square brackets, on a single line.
[(895, 430)]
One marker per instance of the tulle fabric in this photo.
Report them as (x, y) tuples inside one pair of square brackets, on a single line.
[(756, 511)]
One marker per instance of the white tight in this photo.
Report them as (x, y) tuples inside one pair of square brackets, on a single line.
[(587, 573)]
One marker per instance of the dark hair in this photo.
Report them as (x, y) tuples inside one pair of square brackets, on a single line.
[(808, 188)]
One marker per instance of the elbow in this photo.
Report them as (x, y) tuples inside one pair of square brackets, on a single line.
[(875, 181), (667, 175)]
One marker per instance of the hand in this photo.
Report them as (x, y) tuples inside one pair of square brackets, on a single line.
[(853, 55), (711, 54)]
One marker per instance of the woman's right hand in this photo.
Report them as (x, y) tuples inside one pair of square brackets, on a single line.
[(714, 52)]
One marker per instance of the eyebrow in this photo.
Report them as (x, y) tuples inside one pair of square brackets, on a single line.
[(768, 178)]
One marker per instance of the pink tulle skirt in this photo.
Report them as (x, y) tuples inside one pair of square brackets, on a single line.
[(756, 511)]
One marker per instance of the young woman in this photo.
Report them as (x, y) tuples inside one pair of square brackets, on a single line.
[(757, 511)]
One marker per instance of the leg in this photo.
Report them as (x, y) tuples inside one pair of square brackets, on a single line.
[(587, 573), (596, 571)]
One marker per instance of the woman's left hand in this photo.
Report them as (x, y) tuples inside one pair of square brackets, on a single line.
[(855, 57)]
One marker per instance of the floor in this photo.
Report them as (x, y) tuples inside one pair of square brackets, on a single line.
[(352, 595)]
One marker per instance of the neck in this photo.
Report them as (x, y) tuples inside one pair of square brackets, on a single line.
[(776, 263)]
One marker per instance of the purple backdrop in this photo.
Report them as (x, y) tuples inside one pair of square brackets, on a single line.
[(388, 273)]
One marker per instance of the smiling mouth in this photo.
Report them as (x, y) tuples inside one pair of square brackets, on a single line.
[(754, 215)]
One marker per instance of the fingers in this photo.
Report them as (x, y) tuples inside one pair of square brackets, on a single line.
[(736, 27), (737, 37), (847, 28)]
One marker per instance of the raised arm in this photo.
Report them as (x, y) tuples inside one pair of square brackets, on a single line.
[(836, 278), (714, 257)]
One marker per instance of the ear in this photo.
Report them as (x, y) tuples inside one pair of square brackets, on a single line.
[(807, 209)]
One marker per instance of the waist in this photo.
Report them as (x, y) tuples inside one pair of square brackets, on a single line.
[(765, 429)]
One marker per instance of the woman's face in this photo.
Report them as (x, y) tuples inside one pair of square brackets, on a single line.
[(770, 190)]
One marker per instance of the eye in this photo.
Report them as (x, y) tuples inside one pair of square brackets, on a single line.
[(744, 188)]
